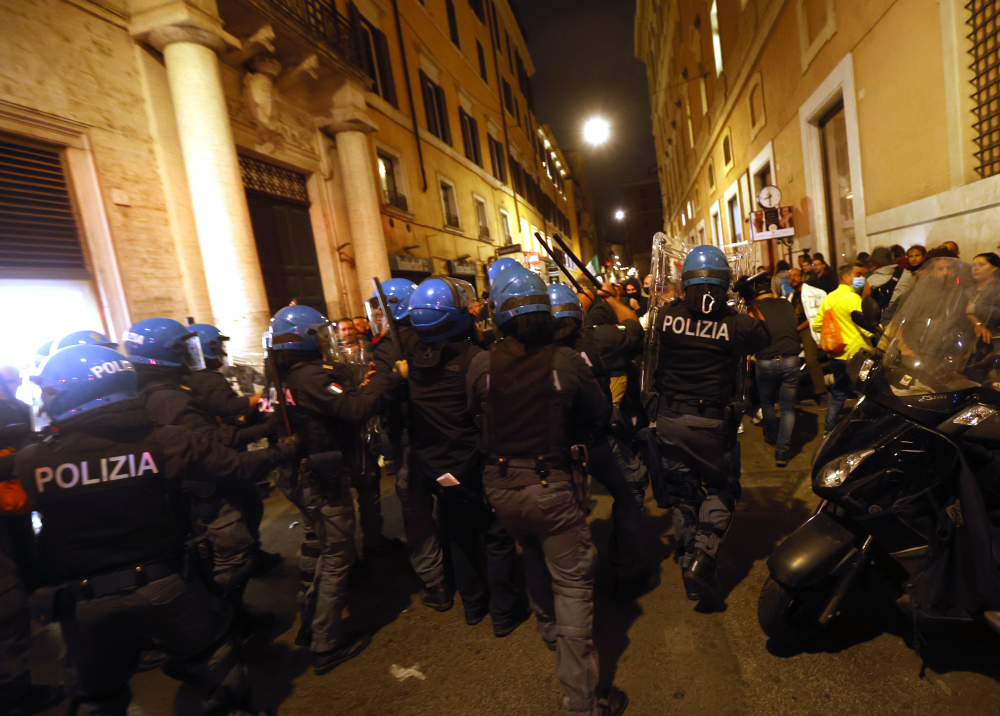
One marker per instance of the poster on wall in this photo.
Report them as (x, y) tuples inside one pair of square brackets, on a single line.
[(772, 224)]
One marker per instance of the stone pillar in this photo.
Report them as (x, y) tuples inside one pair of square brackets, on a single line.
[(228, 249), (348, 124)]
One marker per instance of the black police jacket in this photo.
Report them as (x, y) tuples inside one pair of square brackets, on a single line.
[(105, 483), (533, 402), (216, 394), (699, 354), (605, 348), (325, 406), (169, 403)]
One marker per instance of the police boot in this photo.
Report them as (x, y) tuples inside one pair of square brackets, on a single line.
[(614, 704), (438, 597), (700, 579), (326, 661)]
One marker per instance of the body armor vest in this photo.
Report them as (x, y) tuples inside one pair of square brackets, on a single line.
[(698, 353)]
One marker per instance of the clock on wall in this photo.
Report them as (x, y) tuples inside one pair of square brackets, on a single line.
[(769, 197)]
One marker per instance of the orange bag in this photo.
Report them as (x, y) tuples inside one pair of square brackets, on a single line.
[(830, 339)]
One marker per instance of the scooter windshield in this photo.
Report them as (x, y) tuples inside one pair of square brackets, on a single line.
[(938, 342)]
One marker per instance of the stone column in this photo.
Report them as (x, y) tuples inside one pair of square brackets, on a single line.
[(349, 124), (228, 249)]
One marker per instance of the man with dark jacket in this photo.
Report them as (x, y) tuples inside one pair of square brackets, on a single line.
[(106, 483), (611, 462), (536, 403), (324, 407)]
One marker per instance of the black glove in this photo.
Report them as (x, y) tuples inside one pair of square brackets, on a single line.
[(744, 289), (288, 447)]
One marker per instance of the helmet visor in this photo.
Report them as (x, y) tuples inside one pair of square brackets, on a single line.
[(376, 316), (326, 339), (189, 347)]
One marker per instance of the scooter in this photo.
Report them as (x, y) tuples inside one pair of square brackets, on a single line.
[(909, 480)]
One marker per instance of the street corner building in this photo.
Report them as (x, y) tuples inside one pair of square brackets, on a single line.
[(876, 121), (217, 159)]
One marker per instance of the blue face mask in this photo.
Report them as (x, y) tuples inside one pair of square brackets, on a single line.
[(858, 283)]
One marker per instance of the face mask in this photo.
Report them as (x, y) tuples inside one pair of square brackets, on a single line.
[(858, 283)]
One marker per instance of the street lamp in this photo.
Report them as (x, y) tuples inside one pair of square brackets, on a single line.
[(620, 215), (596, 131)]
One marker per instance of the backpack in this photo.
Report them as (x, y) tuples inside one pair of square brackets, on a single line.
[(830, 339), (883, 294)]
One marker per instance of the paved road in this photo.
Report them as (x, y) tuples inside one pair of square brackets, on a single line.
[(670, 658)]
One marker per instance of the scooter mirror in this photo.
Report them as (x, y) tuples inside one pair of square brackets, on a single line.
[(871, 310), (861, 320)]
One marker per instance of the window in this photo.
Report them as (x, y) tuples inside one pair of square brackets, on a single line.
[(756, 100), (510, 58), (449, 7), (449, 204), (508, 97), (711, 175), (716, 41), (983, 22), (435, 108), (508, 238), (497, 159), (387, 169), (727, 150), (517, 176), (470, 137), (479, 9), (375, 56), (482, 62), (482, 218), (496, 24), (735, 220)]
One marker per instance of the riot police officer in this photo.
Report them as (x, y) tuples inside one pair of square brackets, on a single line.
[(612, 462), (210, 385), (416, 501), (445, 455), (324, 406), (702, 342), (105, 483), (164, 353), (535, 400)]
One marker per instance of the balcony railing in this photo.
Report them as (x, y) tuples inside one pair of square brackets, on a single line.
[(394, 198), (320, 19), (451, 220)]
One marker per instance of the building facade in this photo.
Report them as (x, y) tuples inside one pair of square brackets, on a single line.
[(216, 159), (643, 206), (877, 122)]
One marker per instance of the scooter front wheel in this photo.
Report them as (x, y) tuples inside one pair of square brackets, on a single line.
[(789, 615)]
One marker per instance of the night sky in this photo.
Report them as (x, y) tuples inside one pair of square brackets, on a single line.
[(583, 52)]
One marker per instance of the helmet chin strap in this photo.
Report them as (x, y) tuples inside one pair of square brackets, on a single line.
[(711, 303)]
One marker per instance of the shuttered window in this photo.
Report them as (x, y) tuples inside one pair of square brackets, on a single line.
[(38, 228)]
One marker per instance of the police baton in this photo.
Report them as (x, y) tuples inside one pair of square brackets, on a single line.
[(548, 250), (580, 265), (279, 390), (388, 317)]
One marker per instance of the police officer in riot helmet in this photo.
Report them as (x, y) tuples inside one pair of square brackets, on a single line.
[(164, 354), (612, 462), (445, 454), (536, 404), (324, 407), (105, 483), (210, 385), (416, 500), (702, 344)]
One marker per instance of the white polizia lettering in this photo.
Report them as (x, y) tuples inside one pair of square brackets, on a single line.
[(109, 367), (69, 475), (74, 472), (42, 475)]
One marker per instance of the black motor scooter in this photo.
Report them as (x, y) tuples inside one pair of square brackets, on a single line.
[(910, 480)]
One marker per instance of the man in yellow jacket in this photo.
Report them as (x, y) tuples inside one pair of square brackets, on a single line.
[(843, 301)]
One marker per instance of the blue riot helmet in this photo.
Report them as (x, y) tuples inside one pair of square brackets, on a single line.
[(301, 328), (565, 303), (516, 292), (163, 342), (83, 377), (42, 353), (440, 308), (213, 343), (705, 276), (82, 338), (499, 266), (398, 292)]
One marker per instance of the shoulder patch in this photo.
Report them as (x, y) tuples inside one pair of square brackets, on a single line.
[(621, 327), (334, 389)]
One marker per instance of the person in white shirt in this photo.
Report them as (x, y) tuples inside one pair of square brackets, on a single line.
[(806, 300)]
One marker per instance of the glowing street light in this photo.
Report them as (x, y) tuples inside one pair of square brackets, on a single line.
[(620, 215), (596, 131)]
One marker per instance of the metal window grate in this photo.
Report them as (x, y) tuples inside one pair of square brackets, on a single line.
[(985, 36), (38, 230), (273, 180)]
